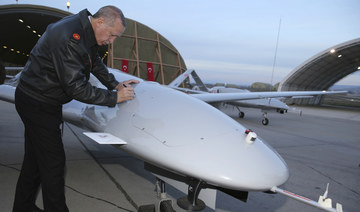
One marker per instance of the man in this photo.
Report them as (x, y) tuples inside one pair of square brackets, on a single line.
[(56, 72), (2, 72)]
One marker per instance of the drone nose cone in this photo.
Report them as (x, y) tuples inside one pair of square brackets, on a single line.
[(239, 165)]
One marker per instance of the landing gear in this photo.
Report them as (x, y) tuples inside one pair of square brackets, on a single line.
[(241, 114), (265, 120), (164, 204), (190, 202)]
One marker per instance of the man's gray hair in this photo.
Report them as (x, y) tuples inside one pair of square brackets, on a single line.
[(110, 13)]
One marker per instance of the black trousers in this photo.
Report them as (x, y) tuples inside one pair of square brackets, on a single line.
[(44, 159)]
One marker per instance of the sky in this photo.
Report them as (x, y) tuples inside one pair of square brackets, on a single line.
[(234, 41)]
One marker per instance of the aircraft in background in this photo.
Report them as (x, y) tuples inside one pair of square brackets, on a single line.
[(4, 70), (182, 139), (266, 104)]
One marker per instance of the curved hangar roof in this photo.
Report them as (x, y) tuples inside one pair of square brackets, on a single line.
[(22, 25), (139, 46), (324, 69)]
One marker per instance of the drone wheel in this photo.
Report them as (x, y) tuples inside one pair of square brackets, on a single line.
[(265, 121), (165, 206)]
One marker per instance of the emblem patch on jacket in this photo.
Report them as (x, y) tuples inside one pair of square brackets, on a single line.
[(76, 36)]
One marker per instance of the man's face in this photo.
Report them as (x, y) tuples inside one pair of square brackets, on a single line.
[(106, 34)]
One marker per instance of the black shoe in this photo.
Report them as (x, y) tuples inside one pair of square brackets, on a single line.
[(36, 209)]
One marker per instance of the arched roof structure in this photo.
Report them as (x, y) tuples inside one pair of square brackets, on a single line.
[(22, 25), (323, 70), (139, 45)]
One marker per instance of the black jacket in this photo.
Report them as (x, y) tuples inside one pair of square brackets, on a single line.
[(60, 64)]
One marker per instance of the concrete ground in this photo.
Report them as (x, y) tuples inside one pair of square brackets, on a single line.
[(321, 146)]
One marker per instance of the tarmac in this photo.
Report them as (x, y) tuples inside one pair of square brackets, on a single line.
[(321, 146)]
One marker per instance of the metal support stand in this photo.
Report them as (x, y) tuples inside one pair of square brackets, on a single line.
[(192, 202)]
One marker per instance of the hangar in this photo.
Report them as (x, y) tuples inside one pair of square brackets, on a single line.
[(323, 70), (140, 51)]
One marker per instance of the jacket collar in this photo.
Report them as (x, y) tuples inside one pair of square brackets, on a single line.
[(89, 32)]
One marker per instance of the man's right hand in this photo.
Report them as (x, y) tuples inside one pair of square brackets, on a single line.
[(125, 93)]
